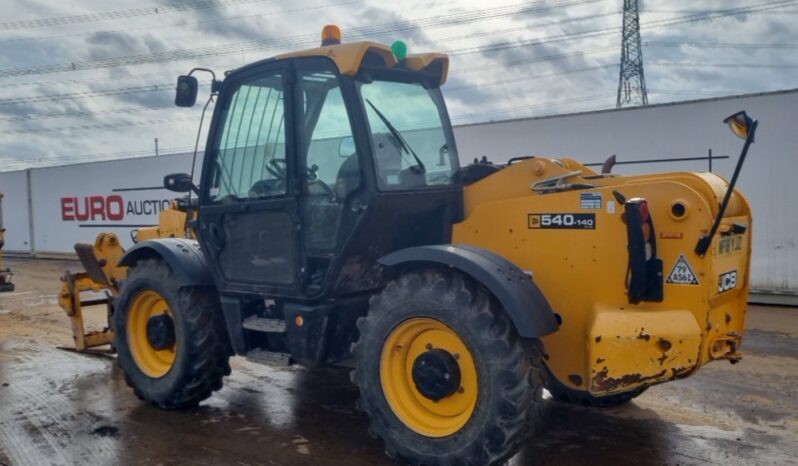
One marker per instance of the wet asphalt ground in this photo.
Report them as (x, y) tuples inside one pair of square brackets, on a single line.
[(59, 407)]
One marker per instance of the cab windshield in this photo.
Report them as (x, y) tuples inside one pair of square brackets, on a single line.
[(410, 135)]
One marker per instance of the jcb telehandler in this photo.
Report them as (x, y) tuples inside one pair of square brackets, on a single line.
[(334, 224)]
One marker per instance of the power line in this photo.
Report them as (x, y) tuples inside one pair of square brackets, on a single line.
[(693, 92), (647, 11), (723, 65), (26, 163), (182, 24), (175, 150), (546, 58), (722, 45), (528, 77), (120, 14), (439, 39), (614, 30), (87, 94), (291, 42), (88, 113), (572, 100), (67, 129)]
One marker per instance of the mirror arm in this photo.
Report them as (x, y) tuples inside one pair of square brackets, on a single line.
[(213, 75), (216, 86), (705, 240)]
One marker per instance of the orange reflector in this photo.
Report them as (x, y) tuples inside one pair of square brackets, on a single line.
[(299, 321), (670, 235), (330, 35)]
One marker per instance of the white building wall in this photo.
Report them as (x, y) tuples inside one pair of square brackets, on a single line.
[(673, 131), (73, 203), (655, 132), (14, 186)]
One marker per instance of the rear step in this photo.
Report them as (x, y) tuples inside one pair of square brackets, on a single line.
[(269, 358), (262, 324)]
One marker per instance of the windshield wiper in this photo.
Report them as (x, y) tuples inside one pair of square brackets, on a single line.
[(417, 169)]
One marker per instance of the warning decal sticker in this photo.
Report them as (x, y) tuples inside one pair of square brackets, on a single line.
[(682, 273), (590, 200)]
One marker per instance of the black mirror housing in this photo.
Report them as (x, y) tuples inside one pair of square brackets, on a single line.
[(179, 183), (186, 91)]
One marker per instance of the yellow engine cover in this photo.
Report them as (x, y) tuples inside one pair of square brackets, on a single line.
[(579, 260)]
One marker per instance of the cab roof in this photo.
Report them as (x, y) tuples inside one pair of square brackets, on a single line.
[(351, 56)]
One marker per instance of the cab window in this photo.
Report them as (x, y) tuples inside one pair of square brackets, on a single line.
[(332, 170), (250, 154), (409, 131)]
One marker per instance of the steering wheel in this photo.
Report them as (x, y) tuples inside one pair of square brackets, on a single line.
[(277, 168)]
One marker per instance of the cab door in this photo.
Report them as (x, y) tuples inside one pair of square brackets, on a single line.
[(248, 204)]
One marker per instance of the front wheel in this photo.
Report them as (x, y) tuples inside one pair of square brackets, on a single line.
[(442, 373), (170, 339)]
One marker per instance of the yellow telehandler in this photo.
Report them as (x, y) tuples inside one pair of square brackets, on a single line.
[(334, 224)]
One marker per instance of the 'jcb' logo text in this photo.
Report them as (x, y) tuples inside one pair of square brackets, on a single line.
[(727, 281)]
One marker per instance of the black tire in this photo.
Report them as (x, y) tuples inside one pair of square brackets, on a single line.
[(202, 356), (506, 402), (565, 394)]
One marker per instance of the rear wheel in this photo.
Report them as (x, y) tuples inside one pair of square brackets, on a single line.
[(170, 339), (442, 373)]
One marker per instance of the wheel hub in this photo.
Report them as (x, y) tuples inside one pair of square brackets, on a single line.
[(436, 374), (161, 331)]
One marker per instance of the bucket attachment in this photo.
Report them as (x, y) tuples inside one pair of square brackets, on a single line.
[(101, 277)]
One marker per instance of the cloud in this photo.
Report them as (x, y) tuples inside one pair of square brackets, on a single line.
[(512, 77)]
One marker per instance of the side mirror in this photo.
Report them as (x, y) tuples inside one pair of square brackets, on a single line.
[(186, 91), (346, 147), (740, 124), (179, 183)]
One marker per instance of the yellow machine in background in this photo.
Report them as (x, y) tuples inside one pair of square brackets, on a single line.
[(102, 275), (5, 273)]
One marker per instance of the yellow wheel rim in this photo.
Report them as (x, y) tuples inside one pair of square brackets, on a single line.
[(404, 345), (153, 362)]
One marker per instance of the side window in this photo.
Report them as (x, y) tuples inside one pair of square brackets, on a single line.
[(332, 170), (330, 153), (250, 158)]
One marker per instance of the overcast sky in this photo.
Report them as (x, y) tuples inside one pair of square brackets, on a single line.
[(91, 79)]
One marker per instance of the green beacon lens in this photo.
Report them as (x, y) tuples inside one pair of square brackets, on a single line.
[(399, 49)]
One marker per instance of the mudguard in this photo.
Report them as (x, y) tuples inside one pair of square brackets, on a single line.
[(183, 256), (527, 307)]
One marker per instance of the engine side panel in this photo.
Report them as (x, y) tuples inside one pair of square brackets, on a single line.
[(574, 242)]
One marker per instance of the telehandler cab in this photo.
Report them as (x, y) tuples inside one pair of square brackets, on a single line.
[(334, 225)]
